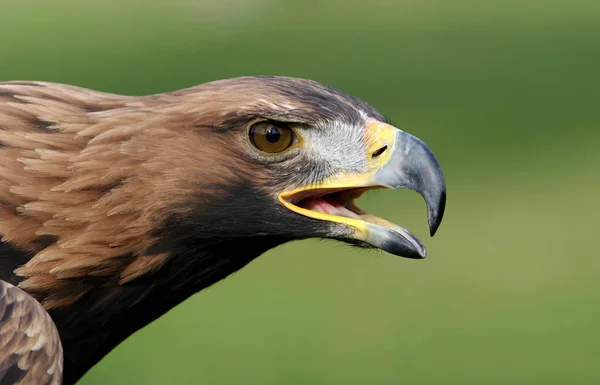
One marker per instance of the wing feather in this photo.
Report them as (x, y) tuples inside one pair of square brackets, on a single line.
[(30, 347)]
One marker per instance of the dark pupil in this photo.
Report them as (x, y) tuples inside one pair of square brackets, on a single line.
[(272, 134)]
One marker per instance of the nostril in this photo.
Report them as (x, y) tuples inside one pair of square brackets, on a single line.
[(379, 152)]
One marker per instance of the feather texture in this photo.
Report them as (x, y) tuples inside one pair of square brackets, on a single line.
[(30, 348), (55, 184), (114, 209)]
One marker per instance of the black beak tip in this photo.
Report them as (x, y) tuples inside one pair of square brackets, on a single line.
[(421, 254), (408, 251), (435, 218)]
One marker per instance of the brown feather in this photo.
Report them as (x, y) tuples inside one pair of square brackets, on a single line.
[(70, 183), (113, 209), (30, 348), (97, 173), (98, 183)]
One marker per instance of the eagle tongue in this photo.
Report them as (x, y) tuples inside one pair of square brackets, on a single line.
[(328, 205)]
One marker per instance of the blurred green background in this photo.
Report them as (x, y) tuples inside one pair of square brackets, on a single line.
[(506, 93)]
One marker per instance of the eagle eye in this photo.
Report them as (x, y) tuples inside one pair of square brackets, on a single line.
[(271, 137)]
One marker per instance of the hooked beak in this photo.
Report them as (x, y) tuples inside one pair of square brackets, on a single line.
[(396, 160)]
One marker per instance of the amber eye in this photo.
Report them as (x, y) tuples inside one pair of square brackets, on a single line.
[(271, 137)]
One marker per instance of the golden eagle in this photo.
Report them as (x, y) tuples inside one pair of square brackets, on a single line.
[(114, 209)]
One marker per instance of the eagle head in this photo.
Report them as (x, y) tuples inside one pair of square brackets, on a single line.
[(282, 159)]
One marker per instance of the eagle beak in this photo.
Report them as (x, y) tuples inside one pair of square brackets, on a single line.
[(395, 160)]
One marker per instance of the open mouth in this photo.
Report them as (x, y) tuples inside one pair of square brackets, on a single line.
[(407, 163), (336, 202), (338, 205)]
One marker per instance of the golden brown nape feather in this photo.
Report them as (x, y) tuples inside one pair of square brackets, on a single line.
[(30, 348), (86, 177)]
